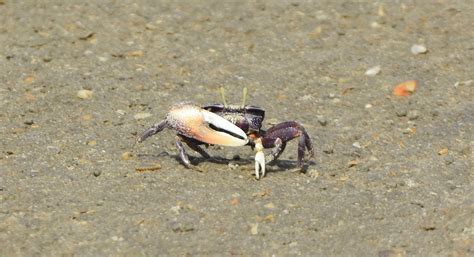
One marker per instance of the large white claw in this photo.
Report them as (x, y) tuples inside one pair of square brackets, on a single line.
[(259, 159), (192, 121), (225, 125)]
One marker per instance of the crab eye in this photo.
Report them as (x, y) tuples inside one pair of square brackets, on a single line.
[(214, 107), (255, 110)]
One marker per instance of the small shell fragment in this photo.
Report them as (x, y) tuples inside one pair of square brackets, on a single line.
[(373, 71), (84, 94), (142, 115), (405, 89), (418, 49)]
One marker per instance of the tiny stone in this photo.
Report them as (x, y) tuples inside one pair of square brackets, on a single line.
[(142, 115), (401, 112), (126, 156), (418, 49), (368, 106), (443, 151), (328, 149), (313, 173), (121, 112), (29, 122), (138, 53), (254, 228), (322, 120), (332, 95), (53, 149), (269, 206), (413, 115), (373, 71), (84, 93), (102, 59), (306, 98), (357, 145), (352, 163), (336, 100), (375, 25), (97, 173), (232, 165), (448, 159)]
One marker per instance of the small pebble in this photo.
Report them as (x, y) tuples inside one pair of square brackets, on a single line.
[(322, 120), (233, 166), (254, 228), (53, 149), (142, 115), (448, 159), (443, 151), (126, 156), (373, 71), (332, 95), (269, 206), (401, 112), (138, 53), (97, 173), (352, 163), (375, 25), (328, 149), (121, 112), (368, 106), (84, 94), (418, 49), (313, 173), (357, 145), (412, 115), (92, 143), (306, 98)]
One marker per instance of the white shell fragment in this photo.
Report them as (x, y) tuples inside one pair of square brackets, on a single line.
[(418, 49), (373, 71), (84, 94), (142, 115)]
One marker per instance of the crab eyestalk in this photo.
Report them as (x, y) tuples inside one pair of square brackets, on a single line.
[(244, 96), (223, 96), (259, 159)]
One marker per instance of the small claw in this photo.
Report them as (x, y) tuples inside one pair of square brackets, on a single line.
[(259, 159), (205, 126)]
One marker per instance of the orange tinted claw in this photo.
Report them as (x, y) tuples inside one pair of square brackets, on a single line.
[(192, 121)]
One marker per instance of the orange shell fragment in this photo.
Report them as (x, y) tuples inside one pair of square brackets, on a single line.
[(405, 89)]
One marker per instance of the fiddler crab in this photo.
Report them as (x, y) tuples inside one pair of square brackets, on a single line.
[(230, 125)]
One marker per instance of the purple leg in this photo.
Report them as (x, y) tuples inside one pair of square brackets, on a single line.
[(194, 144), (278, 135), (152, 130), (182, 153)]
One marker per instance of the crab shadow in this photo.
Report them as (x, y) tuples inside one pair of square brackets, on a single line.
[(275, 166)]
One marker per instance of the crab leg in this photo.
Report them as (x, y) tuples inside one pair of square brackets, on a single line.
[(259, 159), (152, 131), (193, 144), (278, 135), (182, 153)]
